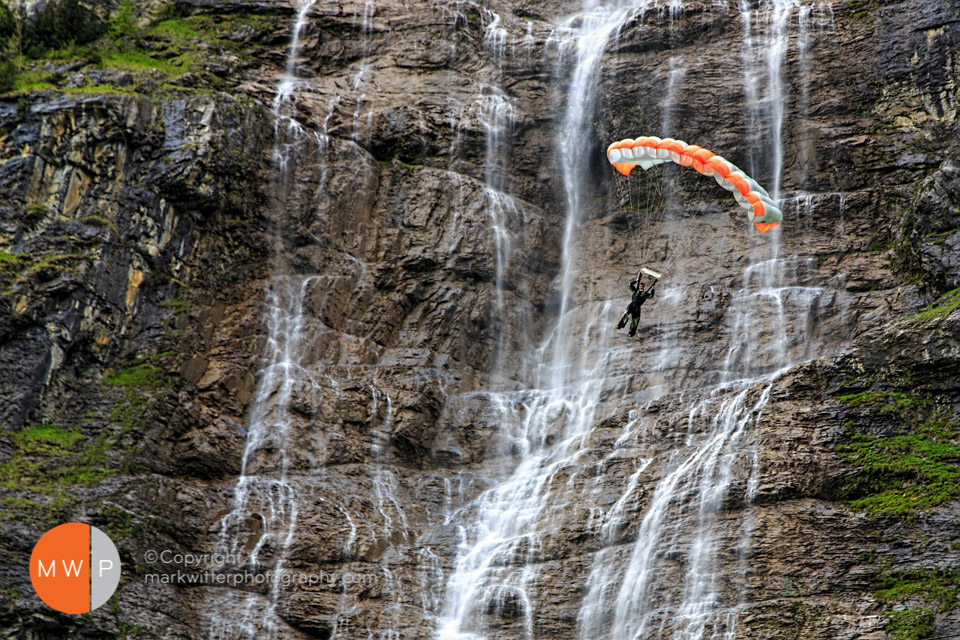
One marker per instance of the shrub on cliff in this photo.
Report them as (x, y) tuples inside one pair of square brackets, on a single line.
[(60, 23), (8, 75), (9, 49), (8, 24), (123, 24)]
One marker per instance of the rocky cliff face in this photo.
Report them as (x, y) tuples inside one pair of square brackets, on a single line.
[(335, 291)]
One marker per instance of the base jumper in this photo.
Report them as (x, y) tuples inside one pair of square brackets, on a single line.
[(633, 309)]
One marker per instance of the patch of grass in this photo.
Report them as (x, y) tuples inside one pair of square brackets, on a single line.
[(944, 306), (100, 221), (141, 375), (12, 258), (909, 624), (37, 209), (887, 401), (48, 266), (134, 60), (47, 457), (176, 28), (31, 81), (860, 8), (121, 524), (103, 89), (170, 47), (166, 87), (931, 585), (51, 434), (178, 306), (137, 380), (45, 511), (902, 474)]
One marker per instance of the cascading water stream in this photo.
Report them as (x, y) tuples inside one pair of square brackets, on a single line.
[(768, 322), (263, 490), (585, 45), (632, 592), (543, 427)]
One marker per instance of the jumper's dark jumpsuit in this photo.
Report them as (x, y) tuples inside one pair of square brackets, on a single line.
[(633, 309)]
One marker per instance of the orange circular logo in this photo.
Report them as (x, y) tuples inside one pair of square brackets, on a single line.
[(75, 568)]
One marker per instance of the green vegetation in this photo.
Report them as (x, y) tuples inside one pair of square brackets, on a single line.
[(9, 25), (889, 401), (171, 10), (943, 307), (51, 264), (122, 25), (135, 60), (176, 29), (931, 585), (909, 624), (18, 268), (51, 434), (11, 42), (60, 23), (935, 589), (100, 221), (860, 7), (47, 461), (178, 306), (12, 258), (916, 467), (47, 457), (140, 375), (63, 30), (902, 474), (138, 378), (47, 511)]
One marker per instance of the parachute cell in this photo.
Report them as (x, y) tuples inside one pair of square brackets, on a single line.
[(647, 152)]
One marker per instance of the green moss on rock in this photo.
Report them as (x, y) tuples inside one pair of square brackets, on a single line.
[(941, 309), (48, 457), (909, 624), (912, 464)]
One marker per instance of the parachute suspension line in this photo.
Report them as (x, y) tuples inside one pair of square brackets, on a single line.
[(700, 191), (687, 231), (654, 214), (679, 247), (627, 207)]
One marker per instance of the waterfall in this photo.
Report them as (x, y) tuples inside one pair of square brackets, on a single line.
[(263, 490), (366, 27), (544, 426), (674, 81), (669, 582), (585, 46), (682, 574), (682, 454)]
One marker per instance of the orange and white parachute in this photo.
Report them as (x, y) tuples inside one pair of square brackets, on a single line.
[(649, 151)]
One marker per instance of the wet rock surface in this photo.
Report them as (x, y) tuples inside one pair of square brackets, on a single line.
[(146, 239)]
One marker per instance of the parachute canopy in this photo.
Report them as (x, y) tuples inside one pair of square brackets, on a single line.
[(649, 151)]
